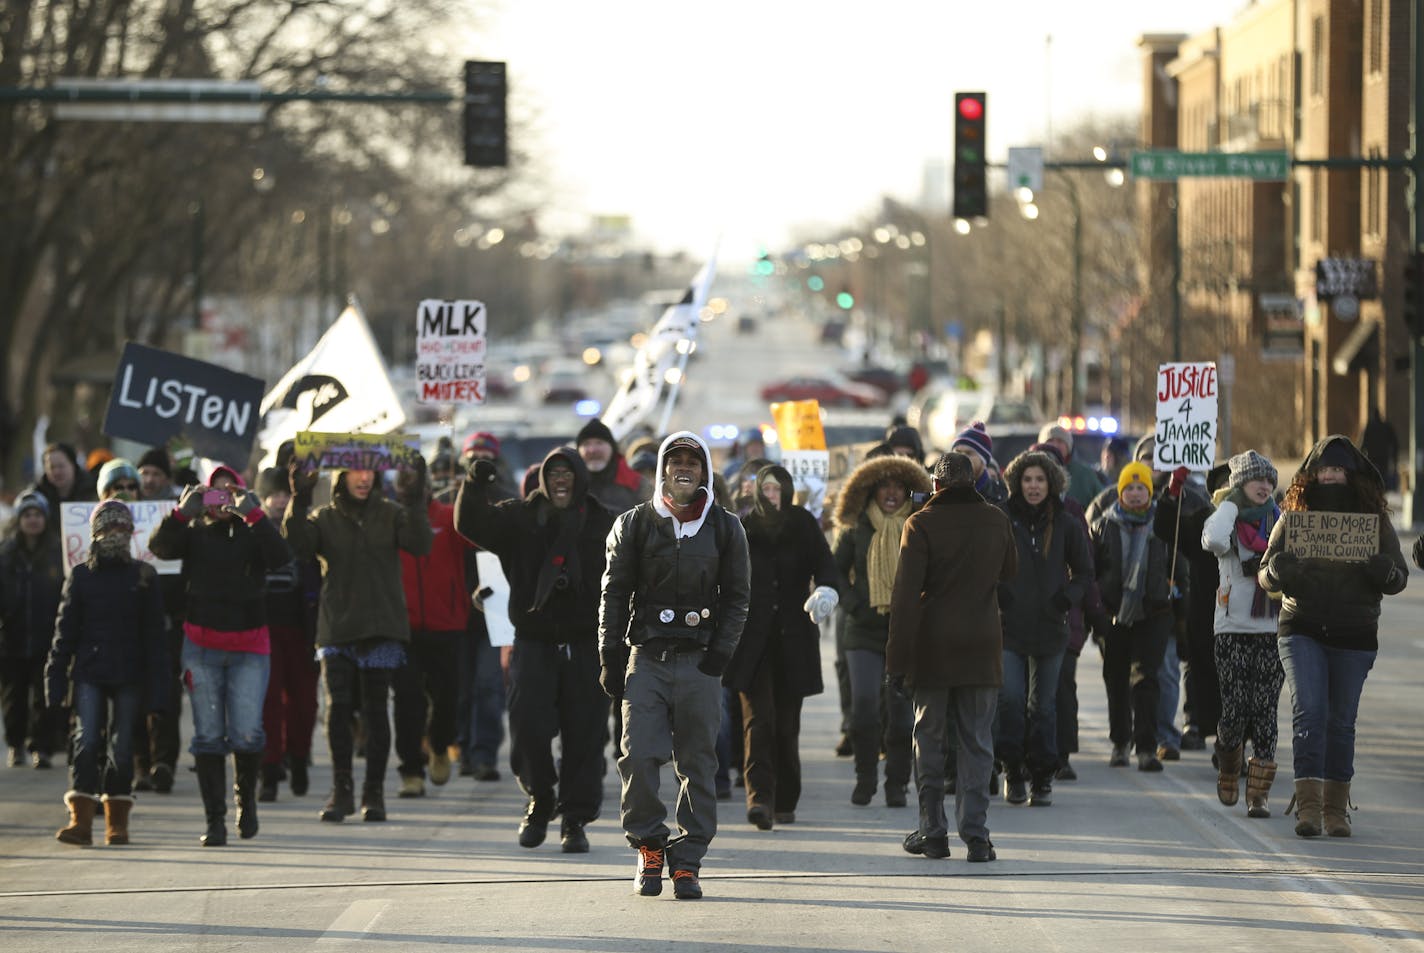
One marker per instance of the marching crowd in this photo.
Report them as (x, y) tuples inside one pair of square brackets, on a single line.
[(664, 611)]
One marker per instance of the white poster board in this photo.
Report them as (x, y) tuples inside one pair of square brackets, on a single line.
[(1186, 417), (810, 471), (496, 603), (74, 533), (450, 352)]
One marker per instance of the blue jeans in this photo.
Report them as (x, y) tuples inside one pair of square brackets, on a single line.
[(1026, 729), (95, 770), (226, 691), (1325, 685), (1169, 680), (479, 722)]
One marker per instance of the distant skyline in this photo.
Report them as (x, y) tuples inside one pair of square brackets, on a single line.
[(751, 119)]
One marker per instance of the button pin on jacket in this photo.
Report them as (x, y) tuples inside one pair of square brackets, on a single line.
[(666, 616), (692, 618), (706, 613)]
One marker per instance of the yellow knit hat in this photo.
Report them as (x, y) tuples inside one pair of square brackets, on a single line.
[(1135, 472)]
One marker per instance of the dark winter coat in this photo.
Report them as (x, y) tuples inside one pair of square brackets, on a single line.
[(1201, 567), (1108, 559), (225, 567), (865, 627), (110, 632), (944, 616), (358, 545), (523, 533), (30, 586), (437, 598), (787, 562), (1050, 579)]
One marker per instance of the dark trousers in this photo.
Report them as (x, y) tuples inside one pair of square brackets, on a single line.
[(28, 726), (1132, 656), (771, 719), (1203, 681), (1068, 707), (426, 687), (554, 690), (289, 710), (342, 679), (480, 699), (1026, 722)]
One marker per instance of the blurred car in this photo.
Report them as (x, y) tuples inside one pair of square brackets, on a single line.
[(564, 386), (886, 379), (940, 414), (830, 391), (746, 324), (833, 332)]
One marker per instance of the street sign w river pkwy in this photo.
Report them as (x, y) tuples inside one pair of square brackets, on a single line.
[(1167, 164)]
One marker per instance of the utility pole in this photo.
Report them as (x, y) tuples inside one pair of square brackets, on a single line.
[(1414, 499)]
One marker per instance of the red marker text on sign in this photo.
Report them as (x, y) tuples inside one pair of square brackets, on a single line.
[(1191, 380), (452, 391)]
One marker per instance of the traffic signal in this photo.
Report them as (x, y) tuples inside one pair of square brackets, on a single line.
[(1412, 308), (971, 187), (486, 133)]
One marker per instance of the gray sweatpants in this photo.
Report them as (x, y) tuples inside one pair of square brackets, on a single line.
[(671, 712), (974, 709)]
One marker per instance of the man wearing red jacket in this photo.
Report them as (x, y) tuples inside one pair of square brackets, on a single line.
[(438, 605)]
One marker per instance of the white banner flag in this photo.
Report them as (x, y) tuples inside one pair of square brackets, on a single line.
[(644, 387), (340, 387)]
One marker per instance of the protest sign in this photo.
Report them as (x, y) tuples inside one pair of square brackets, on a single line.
[(496, 601), (147, 514), (1321, 534), (798, 425), (450, 352), (355, 451), (1186, 417), (158, 395)]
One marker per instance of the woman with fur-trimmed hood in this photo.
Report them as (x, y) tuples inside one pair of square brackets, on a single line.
[(1054, 566), (870, 515)]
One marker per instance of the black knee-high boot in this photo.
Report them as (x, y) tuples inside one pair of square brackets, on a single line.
[(245, 767), (212, 783)]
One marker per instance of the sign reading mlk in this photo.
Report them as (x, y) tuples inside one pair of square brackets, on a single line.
[(158, 395), (450, 352)]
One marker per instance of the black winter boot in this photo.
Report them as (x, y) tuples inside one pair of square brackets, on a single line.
[(342, 803), (267, 789), (246, 765), (212, 784), (373, 801)]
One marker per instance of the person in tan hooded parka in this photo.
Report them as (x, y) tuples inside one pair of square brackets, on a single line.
[(870, 515)]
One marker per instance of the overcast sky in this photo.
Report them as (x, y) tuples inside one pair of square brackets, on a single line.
[(747, 118)]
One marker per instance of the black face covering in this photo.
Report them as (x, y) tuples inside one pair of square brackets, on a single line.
[(1332, 497), (764, 516)]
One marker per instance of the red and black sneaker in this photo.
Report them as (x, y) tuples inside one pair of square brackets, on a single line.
[(685, 885), (648, 881)]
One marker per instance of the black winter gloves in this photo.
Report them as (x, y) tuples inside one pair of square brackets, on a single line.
[(1288, 570), (1419, 552), (411, 483), (897, 686), (1380, 569), (1060, 601), (483, 472), (190, 504), (713, 663), (302, 482), (613, 670)]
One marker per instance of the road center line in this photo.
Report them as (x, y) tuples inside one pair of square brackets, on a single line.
[(354, 921)]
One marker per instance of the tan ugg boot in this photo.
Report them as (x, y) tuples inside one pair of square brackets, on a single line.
[(1336, 813), (116, 818), (81, 819), (1228, 774), (1309, 796), (1259, 776)]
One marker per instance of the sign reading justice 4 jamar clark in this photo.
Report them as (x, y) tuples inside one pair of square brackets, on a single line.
[(1186, 417), (450, 352)]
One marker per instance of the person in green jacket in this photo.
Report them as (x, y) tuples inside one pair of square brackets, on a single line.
[(362, 626)]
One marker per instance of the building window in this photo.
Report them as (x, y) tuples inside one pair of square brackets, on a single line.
[(1376, 36), (1372, 198), (1317, 205), (1317, 56)]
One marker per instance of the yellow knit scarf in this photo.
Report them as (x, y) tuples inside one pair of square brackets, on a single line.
[(884, 553)]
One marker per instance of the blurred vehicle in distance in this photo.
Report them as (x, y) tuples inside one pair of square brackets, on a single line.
[(830, 390), (886, 379), (563, 383), (833, 332)]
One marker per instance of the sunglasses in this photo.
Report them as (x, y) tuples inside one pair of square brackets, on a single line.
[(124, 485)]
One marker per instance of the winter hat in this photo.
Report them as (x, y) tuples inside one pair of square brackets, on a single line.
[(689, 442), (97, 458), (1055, 432), (644, 460), (32, 501), (115, 470), (1337, 454), (1052, 450), (157, 457), (1134, 472), (272, 480), (1249, 466), (221, 469), (109, 514), (976, 438), (481, 441), (1146, 448), (642, 445), (953, 470), (907, 437), (596, 429)]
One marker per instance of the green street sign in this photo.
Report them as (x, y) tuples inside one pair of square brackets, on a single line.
[(1164, 164)]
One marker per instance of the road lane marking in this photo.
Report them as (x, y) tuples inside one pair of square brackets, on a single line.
[(354, 921)]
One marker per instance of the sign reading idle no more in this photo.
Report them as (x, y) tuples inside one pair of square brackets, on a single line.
[(1186, 417), (1320, 534)]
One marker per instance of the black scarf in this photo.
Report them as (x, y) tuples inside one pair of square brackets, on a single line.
[(766, 520), (560, 568), (1332, 497)]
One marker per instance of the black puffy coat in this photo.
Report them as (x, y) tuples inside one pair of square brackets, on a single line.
[(30, 586), (1108, 559), (225, 567)]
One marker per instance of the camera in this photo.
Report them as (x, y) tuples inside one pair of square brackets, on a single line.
[(212, 497)]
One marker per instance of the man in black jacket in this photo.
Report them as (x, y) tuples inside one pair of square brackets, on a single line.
[(676, 590), (550, 545)]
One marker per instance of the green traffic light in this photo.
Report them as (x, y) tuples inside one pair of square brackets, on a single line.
[(845, 300), (765, 267), (815, 283)]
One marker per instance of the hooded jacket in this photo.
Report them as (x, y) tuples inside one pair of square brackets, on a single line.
[(525, 535), (30, 584), (865, 627), (663, 572), (436, 596), (1236, 588), (358, 544), (1337, 602)]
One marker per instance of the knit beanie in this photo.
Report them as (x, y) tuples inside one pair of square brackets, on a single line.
[(272, 480), (115, 470), (1249, 466), (976, 438), (32, 501), (97, 458), (481, 441), (1135, 472), (596, 429), (953, 470), (1146, 448), (108, 514), (906, 437), (1337, 454), (1055, 432), (1053, 450), (157, 457)]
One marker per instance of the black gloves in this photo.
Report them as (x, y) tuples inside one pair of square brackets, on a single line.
[(483, 473), (302, 483), (1379, 568), (1289, 572), (190, 504), (411, 483), (1419, 552), (244, 502), (1060, 601), (613, 671), (713, 663), (897, 686)]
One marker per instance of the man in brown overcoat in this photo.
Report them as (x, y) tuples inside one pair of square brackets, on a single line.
[(946, 646)]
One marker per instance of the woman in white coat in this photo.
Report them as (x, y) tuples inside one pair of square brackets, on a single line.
[(1245, 624)]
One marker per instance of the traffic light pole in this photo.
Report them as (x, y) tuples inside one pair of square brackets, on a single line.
[(1414, 498)]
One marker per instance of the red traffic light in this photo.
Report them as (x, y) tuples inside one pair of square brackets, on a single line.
[(971, 108)]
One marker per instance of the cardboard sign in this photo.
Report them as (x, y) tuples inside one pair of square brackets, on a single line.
[(501, 630), (355, 451), (158, 395), (1186, 417), (450, 352), (1320, 534), (798, 425), (147, 514)]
